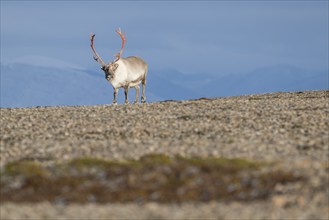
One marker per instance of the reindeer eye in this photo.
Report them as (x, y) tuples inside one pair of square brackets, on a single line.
[(105, 68)]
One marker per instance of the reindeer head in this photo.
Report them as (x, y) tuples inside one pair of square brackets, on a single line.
[(109, 70), (112, 66)]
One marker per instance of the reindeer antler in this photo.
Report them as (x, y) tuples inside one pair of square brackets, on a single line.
[(123, 38), (96, 56)]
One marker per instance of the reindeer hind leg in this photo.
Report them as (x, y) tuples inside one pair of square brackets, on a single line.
[(143, 90)]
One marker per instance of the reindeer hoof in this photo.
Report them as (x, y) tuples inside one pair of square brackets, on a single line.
[(114, 103)]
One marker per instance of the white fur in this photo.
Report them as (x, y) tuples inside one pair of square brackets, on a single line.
[(130, 72)]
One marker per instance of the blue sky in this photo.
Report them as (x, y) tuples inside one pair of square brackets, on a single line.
[(217, 38)]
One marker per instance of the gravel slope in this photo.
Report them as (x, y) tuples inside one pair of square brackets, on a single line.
[(290, 128)]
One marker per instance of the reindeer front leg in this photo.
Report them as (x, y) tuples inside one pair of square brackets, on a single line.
[(126, 94), (115, 94)]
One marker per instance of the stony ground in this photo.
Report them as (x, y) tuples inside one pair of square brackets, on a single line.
[(291, 129)]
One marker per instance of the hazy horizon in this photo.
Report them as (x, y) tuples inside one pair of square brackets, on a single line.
[(211, 39)]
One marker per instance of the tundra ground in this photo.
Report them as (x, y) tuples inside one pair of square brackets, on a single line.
[(256, 156)]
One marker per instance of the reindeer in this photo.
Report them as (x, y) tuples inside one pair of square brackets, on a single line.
[(123, 72)]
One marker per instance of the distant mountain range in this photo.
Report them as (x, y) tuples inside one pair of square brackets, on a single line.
[(280, 78), (26, 85)]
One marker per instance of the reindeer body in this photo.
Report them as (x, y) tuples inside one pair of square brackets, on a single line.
[(123, 72), (130, 72)]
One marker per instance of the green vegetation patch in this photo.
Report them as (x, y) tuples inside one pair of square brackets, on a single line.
[(25, 168), (156, 178)]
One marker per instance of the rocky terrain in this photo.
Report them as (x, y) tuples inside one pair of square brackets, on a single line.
[(288, 133)]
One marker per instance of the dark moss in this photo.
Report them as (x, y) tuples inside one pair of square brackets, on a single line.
[(91, 162), (234, 164), (154, 177), (155, 159)]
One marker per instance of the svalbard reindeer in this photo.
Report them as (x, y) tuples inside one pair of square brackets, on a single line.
[(123, 72)]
